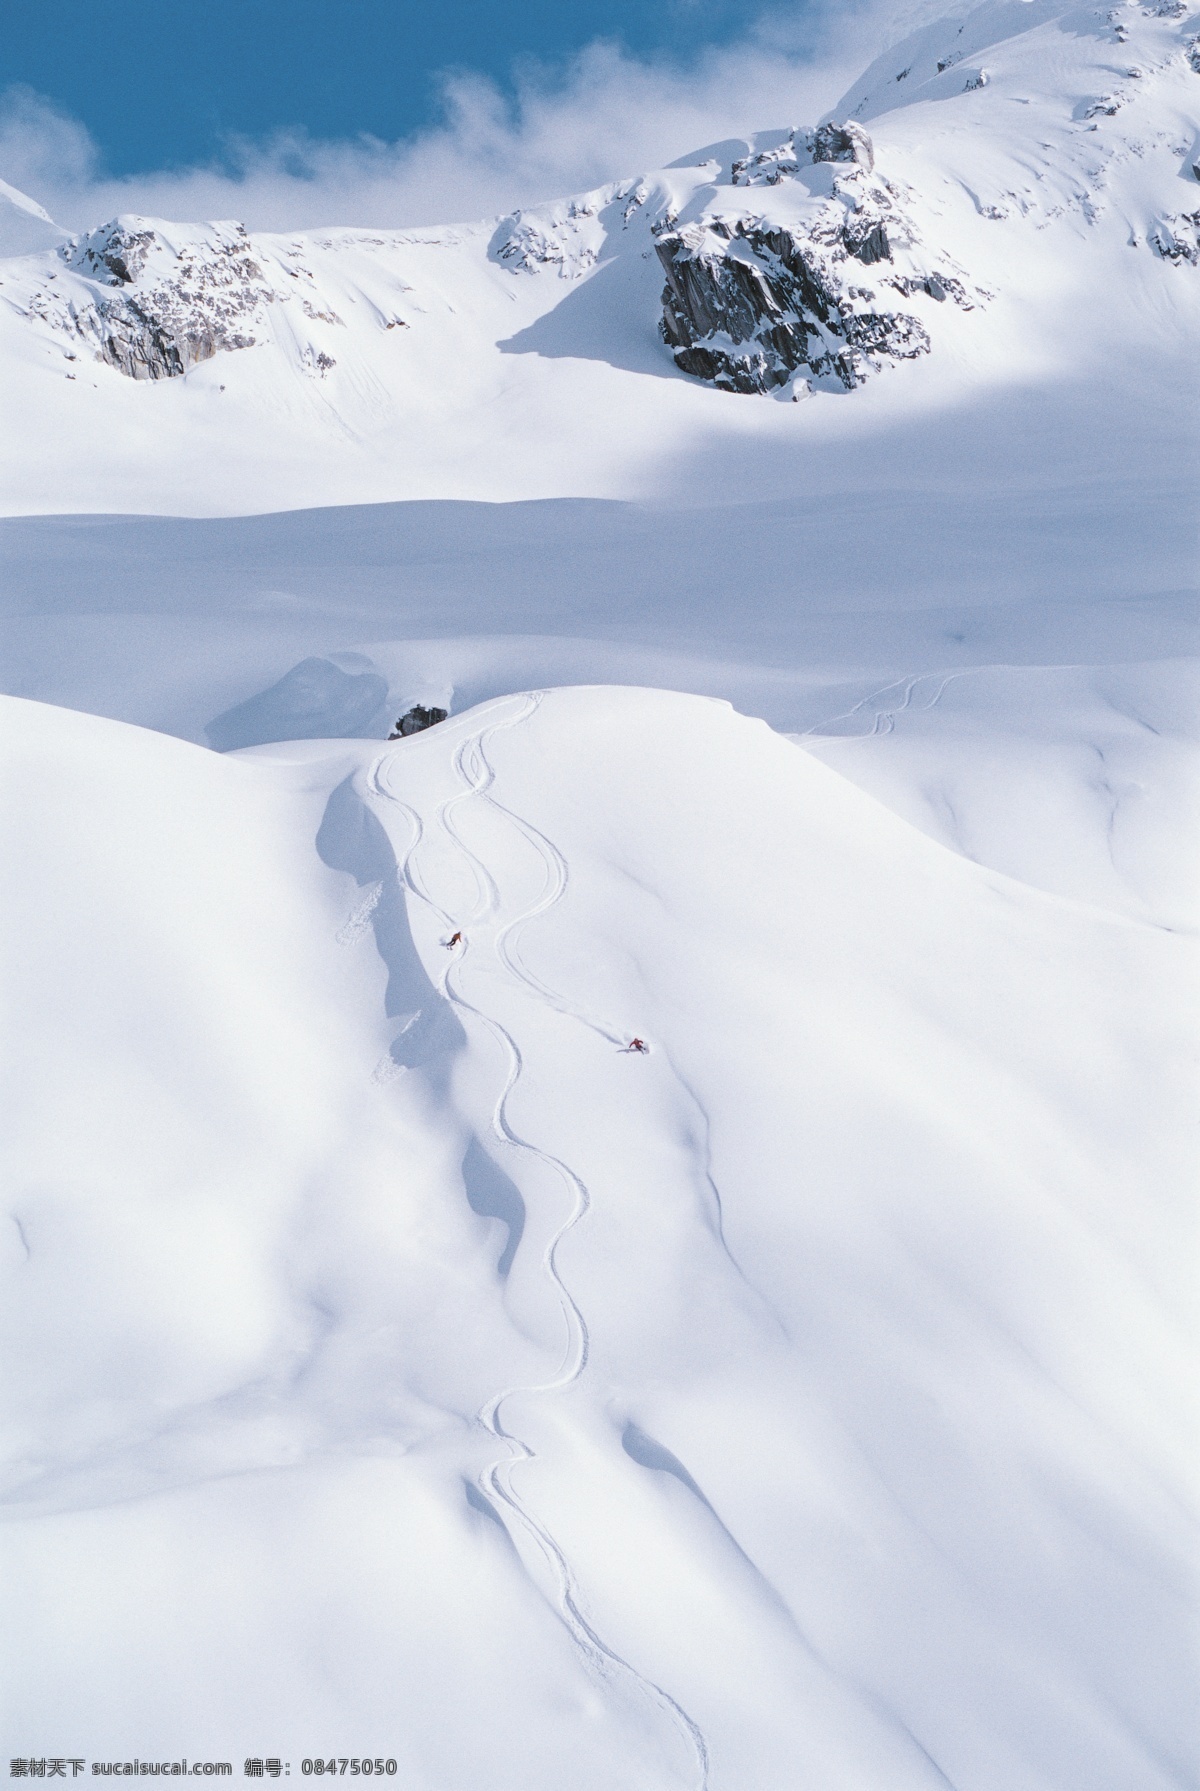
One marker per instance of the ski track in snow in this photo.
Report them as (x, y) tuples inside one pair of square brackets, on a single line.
[(475, 770), (883, 720), (507, 950)]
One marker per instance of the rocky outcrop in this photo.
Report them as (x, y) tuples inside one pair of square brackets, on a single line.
[(116, 253), (1177, 237), (567, 237), (158, 307), (416, 720), (748, 311), (750, 302), (828, 143), (842, 143)]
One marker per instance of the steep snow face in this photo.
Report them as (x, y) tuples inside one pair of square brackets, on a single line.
[(1107, 95), (1005, 200), (803, 1400)]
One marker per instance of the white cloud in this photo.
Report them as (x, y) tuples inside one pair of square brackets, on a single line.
[(41, 148), (603, 115)]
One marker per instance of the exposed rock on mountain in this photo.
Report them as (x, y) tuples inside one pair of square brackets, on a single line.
[(829, 143), (567, 237), (175, 303), (416, 720), (750, 302), (1177, 238), (1044, 155), (842, 143)]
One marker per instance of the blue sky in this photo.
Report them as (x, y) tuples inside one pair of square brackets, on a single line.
[(161, 83), (388, 114)]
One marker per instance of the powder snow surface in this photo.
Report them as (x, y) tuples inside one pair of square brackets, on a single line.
[(398, 1364), (830, 1404)]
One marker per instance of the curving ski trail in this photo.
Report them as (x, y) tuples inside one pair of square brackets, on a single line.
[(474, 766), (883, 720), (482, 776), (477, 774)]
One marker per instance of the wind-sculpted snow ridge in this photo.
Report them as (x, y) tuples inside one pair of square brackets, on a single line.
[(496, 1480), (25, 226)]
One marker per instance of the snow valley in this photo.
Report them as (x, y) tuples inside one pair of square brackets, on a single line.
[(643, 1234)]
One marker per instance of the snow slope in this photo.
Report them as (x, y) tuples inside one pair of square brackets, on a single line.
[(1004, 652), (395, 1363), (829, 1420)]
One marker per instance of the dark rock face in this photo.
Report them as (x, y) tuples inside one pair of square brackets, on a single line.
[(749, 320), (871, 245), (749, 303), (143, 346), (843, 143), (416, 720)]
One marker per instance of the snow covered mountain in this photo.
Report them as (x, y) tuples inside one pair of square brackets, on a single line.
[(953, 221), (398, 1364)]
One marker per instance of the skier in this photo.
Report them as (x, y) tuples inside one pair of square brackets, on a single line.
[(638, 1045), (454, 939)]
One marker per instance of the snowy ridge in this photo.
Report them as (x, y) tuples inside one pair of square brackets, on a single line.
[(472, 766), (1019, 156), (25, 227)]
